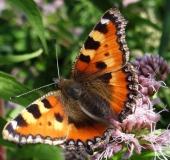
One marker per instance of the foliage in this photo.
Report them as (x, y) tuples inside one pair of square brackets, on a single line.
[(27, 28)]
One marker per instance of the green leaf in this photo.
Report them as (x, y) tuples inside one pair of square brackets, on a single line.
[(36, 152), (103, 5), (19, 58), (9, 87), (29, 8), (164, 43)]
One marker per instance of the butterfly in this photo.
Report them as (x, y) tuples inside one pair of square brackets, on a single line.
[(103, 85)]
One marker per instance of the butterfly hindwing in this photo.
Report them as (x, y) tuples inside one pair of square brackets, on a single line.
[(88, 137), (124, 83)]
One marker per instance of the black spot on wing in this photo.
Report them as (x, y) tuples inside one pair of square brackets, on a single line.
[(101, 65), (49, 123), (84, 58), (90, 43), (34, 110), (109, 16), (101, 28), (79, 123), (58, 117), (105, 77), (88, 148), (20, 121), (9, 128), (106, 54), (46, 103), (76, 123)]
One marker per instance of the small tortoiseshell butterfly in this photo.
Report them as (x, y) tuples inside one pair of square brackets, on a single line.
[(102, 85)]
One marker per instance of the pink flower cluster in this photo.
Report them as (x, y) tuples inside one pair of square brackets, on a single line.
[(138, 131)]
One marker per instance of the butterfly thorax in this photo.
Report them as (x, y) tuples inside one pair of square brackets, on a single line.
[(71, 88)]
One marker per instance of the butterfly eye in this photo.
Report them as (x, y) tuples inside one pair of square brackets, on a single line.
[(74, 90), (59, 82)]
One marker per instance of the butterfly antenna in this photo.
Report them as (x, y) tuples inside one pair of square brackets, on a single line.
[(32, 90), (55, 43)]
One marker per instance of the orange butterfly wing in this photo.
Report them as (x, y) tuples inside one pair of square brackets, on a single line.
[(88, 138), (105, 49), (42, 122)]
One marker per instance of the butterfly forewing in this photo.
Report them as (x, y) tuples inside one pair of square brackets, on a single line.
[(105, 48)]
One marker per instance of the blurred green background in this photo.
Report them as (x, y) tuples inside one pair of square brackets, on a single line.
[(28, 58)]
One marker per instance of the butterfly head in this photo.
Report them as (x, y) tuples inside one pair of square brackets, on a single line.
[(69, 87), (59, 82)]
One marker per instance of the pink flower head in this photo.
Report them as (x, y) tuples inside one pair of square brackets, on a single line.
[(137, 131)]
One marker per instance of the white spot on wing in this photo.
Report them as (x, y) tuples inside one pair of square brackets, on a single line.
[(98, 139), (58, 141), (104, 21), (71, 143), (130, 86), (30, 139), (131, 96), (38, 139), (89, 143), (80, 143), (105, 133), (16, 138), (129, 78), (48, 141), (14, 124), (10, 136), (23, 140)]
